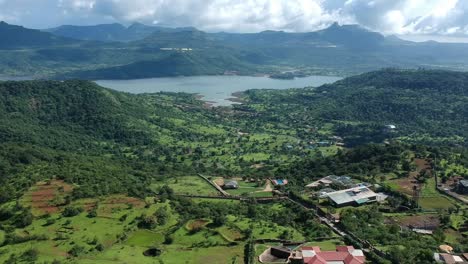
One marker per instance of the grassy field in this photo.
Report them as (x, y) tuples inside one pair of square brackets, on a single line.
[(188, 185), (247, 188), (55, 236), (327, 245), (435, 203), (145, 238)]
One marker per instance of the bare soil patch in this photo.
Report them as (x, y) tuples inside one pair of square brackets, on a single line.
[(197, 224), (430, 222), (407, 184), (48, 197)]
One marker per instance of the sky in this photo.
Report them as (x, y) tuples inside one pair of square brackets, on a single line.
[(402, 17)]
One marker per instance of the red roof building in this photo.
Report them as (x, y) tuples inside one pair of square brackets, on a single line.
[(314, 255)]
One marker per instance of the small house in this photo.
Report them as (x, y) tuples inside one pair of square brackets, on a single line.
[(231, 185), (279, 182), (462, 187)]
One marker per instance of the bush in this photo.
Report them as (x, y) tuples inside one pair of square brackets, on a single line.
[(100, 247), (76, 250), (71, 211), (92, 213), (30, 255), (168, 240), (49, 221)]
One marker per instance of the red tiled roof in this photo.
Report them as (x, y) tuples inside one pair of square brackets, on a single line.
[(333, 255), (350, 259), (344, 248), (316, 260), (342, 253), (316, 249)]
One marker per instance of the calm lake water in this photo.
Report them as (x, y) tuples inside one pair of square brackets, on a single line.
[(215, 89)]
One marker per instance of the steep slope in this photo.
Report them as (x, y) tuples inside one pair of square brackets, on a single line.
[(351, 36), (17, 37), (87, 135)]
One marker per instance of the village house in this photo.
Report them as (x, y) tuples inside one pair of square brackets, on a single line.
[(231, 185), (314, 255), (344, 181), (451, 258), (462, 187), (352, 197)]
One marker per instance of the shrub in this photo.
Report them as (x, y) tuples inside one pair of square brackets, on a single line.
[(71, 211)]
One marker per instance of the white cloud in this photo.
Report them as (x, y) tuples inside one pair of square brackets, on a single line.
[(387, 16)]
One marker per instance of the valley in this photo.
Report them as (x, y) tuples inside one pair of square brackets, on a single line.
[(136, 182), (144, 143)]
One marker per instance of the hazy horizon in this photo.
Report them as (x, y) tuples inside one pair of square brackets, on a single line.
[(427, 19)]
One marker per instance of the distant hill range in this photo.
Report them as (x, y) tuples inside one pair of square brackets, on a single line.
[(16, 37), (110, 32), (139, 50)]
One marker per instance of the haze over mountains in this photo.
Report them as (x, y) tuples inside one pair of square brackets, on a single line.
[(140, 51)]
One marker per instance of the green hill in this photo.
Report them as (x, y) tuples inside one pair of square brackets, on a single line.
[(424, 105), (17, 37), (84, 134), (207, 62)]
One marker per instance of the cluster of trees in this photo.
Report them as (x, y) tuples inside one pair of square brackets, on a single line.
[(364, 162), (403, 246)]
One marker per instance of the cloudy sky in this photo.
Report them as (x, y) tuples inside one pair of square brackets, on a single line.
[(411, 17)]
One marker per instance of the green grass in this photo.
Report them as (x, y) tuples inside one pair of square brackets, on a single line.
[(456, 220), (145, 238), (212, 255), (188, 185), (231, 233), (435, 203), (171, 254), (327, 245), (266, 230), (250, 189), (106, 229), (255, 157)]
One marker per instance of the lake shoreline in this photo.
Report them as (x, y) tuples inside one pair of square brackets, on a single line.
[(223, 90)]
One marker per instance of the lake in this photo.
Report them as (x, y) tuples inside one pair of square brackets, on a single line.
[(214, 89)]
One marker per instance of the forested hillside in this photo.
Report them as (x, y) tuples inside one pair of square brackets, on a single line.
[(424, 105), (83, 134), (17, 37)]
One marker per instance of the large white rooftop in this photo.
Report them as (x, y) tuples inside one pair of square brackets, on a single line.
[(360, 195)]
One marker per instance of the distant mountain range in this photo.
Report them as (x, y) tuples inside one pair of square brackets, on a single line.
[(110, 32), (16, 37), (116, 51)]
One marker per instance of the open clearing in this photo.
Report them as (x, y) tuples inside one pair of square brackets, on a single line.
[(189, 185)]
